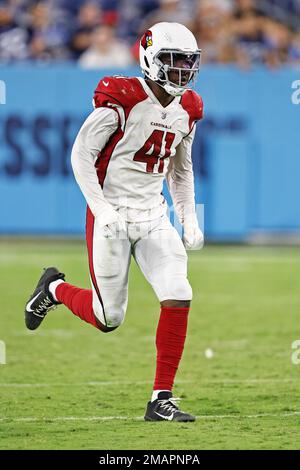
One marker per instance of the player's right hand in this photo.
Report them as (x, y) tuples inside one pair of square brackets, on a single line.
[(110, 218), (116, 229)]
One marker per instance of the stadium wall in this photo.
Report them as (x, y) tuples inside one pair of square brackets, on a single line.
[(246, 152)]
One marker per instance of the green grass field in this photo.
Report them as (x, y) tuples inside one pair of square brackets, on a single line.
[(67, 386)]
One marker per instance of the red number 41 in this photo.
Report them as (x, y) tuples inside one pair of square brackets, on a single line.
[(155, 142)]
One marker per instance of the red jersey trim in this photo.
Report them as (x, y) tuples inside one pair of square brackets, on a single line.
[(90, 221), (105, 155)]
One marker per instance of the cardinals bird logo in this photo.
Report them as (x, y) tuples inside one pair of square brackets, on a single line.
[(146, 40)]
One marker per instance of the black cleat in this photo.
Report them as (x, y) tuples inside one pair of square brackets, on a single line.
[(166, 409), (41, 301)]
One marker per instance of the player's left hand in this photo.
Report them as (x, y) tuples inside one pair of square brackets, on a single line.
[(193, 238)]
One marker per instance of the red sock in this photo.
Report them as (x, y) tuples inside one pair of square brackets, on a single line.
[(79, 301), (170, 338)]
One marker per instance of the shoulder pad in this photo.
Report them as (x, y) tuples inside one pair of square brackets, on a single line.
[(192, 103), (123, 91)]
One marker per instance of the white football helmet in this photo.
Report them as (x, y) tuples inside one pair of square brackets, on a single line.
[(169, 55)]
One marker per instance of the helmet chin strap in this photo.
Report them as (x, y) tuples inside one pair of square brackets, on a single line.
[(170, 89)]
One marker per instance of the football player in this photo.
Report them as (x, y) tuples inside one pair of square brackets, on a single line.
[(140, 132)]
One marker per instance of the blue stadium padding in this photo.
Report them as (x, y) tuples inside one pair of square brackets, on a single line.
[(245, 153)]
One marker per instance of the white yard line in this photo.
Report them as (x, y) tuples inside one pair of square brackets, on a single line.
[(235, 258), (251, 416), (253, 381), (118, 383), (140, 418), (70, 418), (105, 383), (240, 259)]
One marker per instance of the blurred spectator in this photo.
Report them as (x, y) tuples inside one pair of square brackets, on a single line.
[(106, 50), (283, 11), (110, 11), (13, 38), (171, 10), (278, 41), (243, 7), (88, 18), (248, 29), (48, 35), (294, 53), (131, 18), (102, 32), (213, 31)]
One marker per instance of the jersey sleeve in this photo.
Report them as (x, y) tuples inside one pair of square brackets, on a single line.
[(180, 179), (91, 139)]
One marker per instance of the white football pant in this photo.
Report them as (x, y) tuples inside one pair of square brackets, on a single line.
[(159, 252)]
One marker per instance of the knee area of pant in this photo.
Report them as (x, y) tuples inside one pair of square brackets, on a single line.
[(179, 289), (109, 319), (114, 317)]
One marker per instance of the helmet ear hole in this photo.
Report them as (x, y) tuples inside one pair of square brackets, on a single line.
[(160, 75), (146, 62)]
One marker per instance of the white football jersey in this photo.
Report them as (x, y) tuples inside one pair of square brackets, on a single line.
[(129, 144)]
